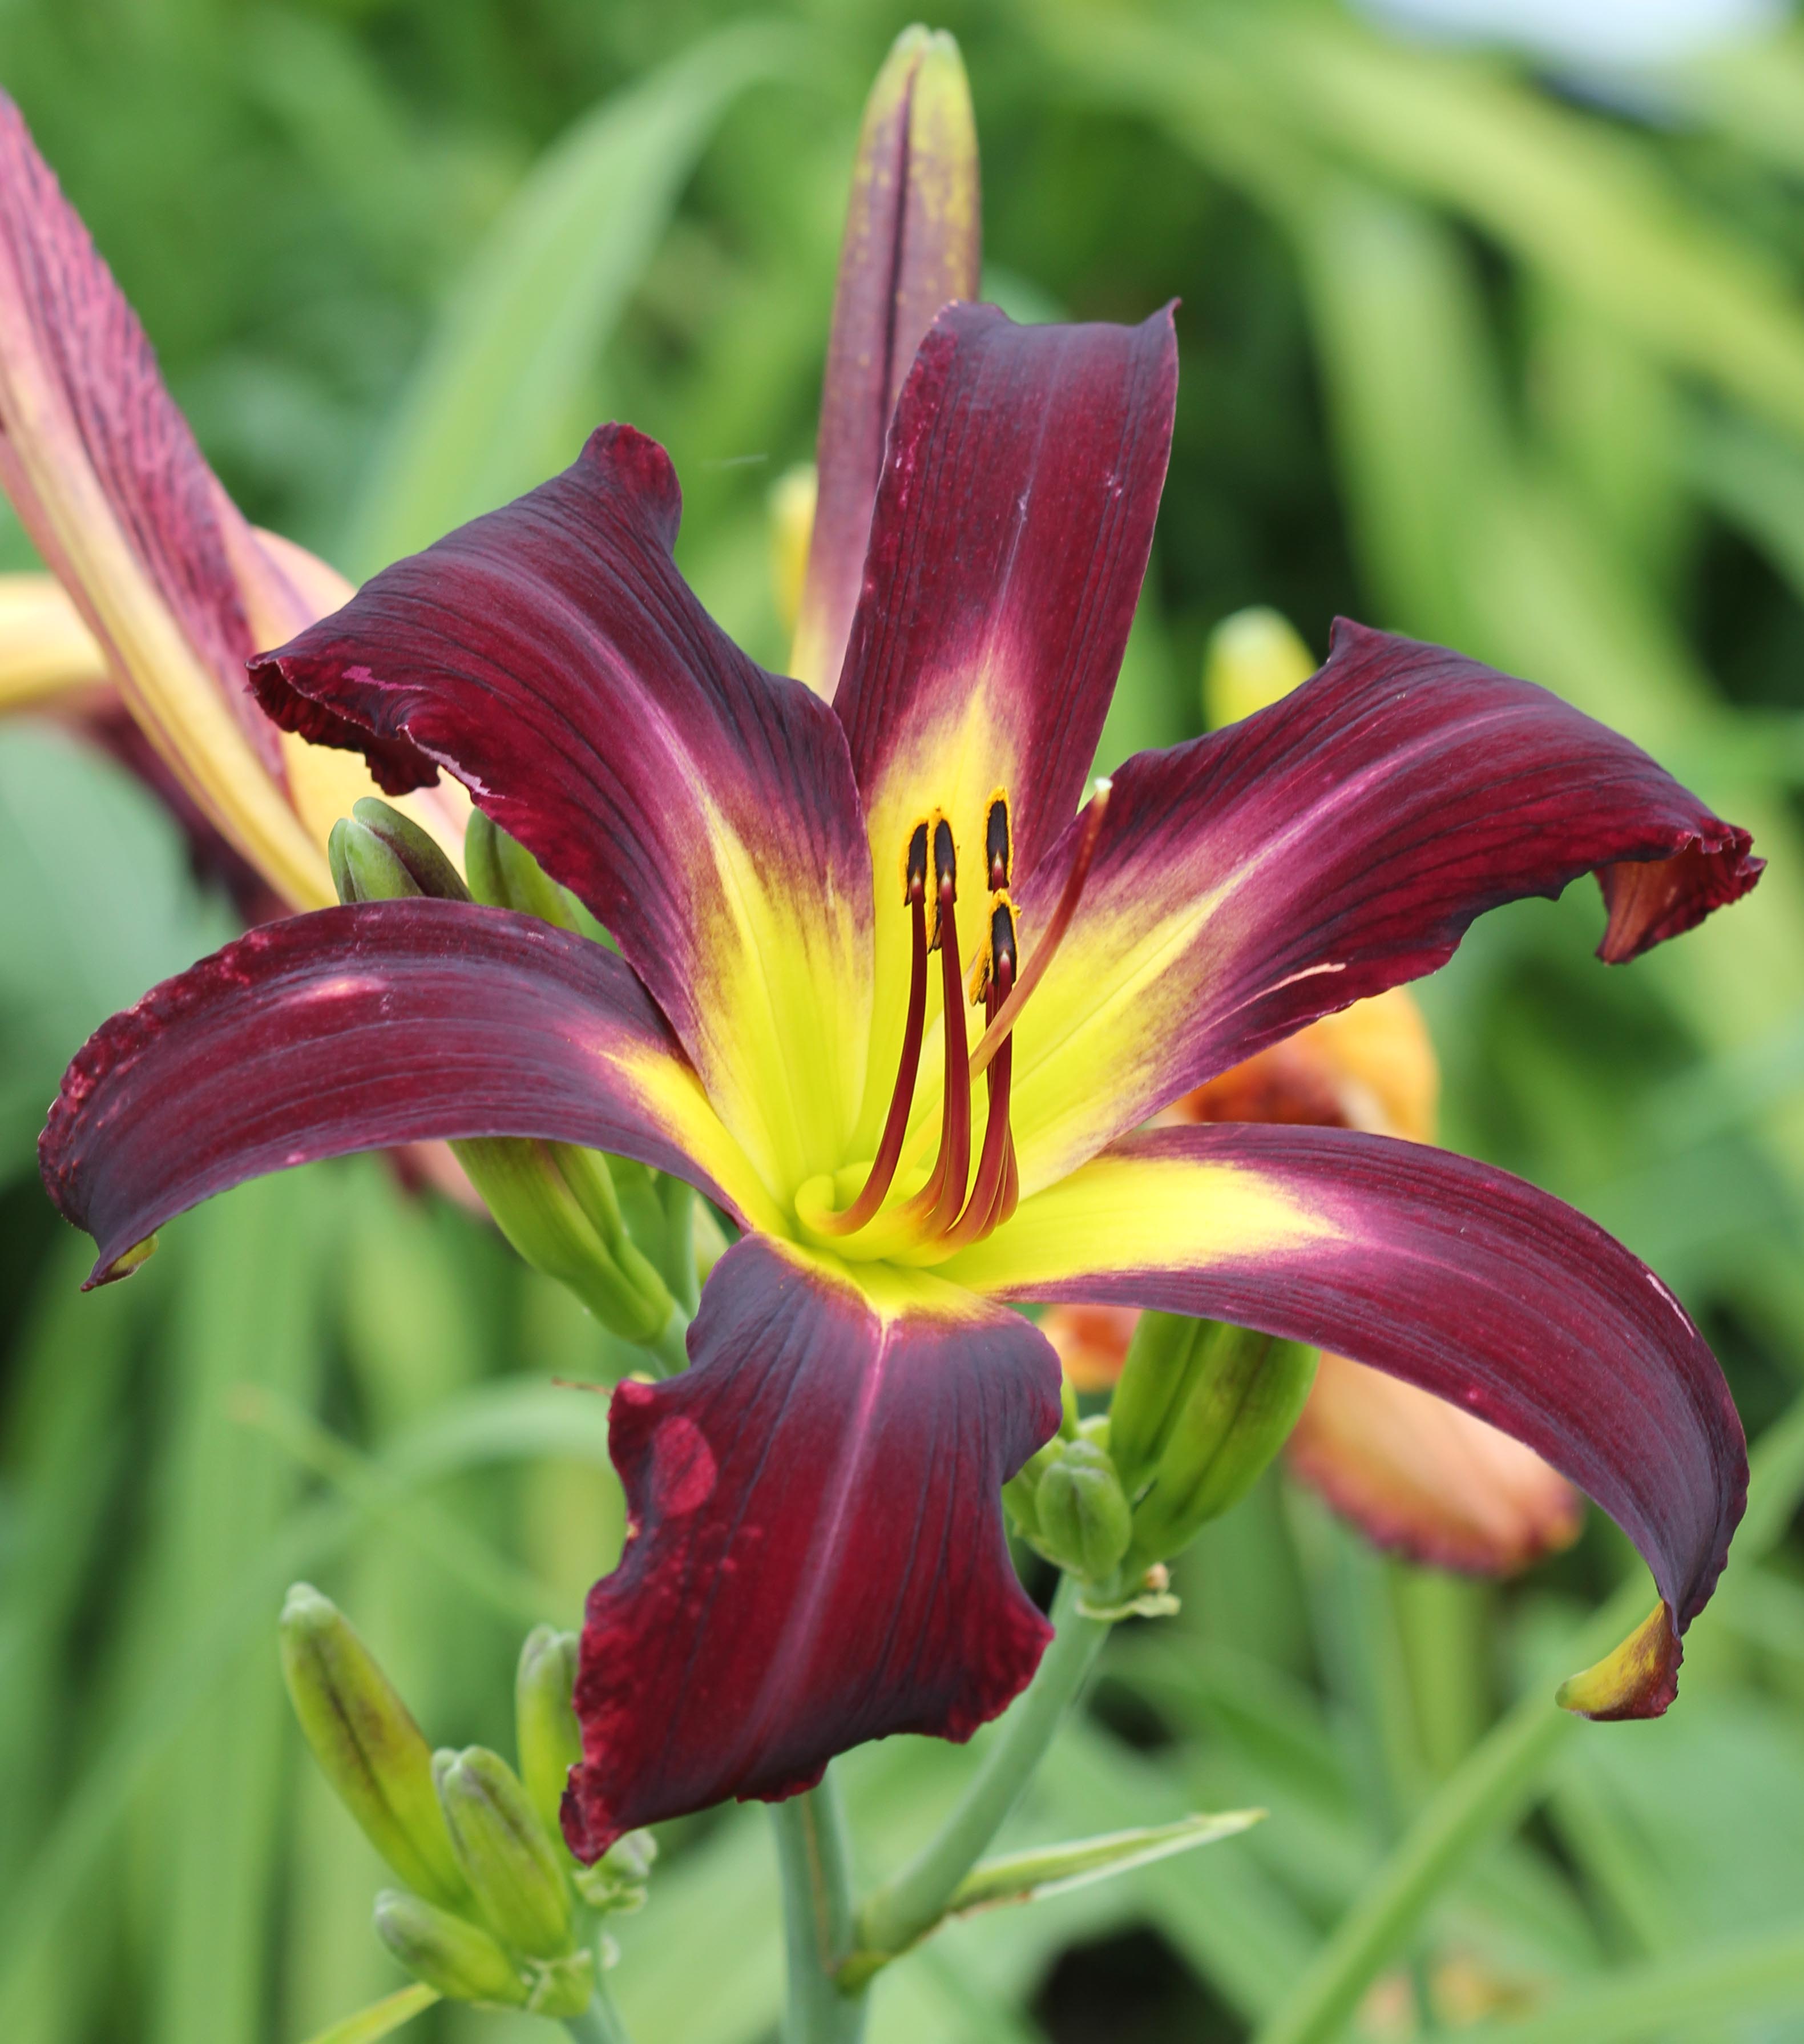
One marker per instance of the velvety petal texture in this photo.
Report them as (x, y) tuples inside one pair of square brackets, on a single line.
[(1451, 1275), (815, 1554), (552, 656), (1330, 847), (913, 234), (107, 479), (1007, 552), (357, 1028)]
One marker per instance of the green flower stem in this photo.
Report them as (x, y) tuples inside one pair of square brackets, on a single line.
[(600, 2023), (1499, 1778), (814, 1857), (1488, 1790), (908, 1906)]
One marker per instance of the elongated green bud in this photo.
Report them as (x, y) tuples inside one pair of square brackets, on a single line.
[(510, 1864), (368, 1746), (378, 854), (1084, 1522), (504, 874), (555, 1204), (1164, 1360), (1241, 1395), (548, 1738), (457, 1958)]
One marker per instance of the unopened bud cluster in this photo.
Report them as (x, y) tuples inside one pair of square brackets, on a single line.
[(555, 1202), (1199, 1411), (494, 1909)]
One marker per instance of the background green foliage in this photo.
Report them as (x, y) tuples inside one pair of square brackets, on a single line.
[(1478, 355)]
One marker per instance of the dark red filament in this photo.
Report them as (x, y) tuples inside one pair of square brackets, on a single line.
[(896, 1126)]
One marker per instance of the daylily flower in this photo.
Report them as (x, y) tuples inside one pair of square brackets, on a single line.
[(166, 591), (1414, 1473), (798, 889)]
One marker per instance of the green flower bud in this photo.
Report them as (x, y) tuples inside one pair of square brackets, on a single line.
[(1021, 1489), (1163, 1363), (367, 1745), (1084, 1522), (458, 1958), (617, 1880), (504, 874), (378, 854), (556, 1203), (511, 1865), (1236, 1396), (546, 1732)]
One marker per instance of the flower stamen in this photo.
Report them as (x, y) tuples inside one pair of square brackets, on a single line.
[(895, 1125), (937, 1204), (1003, 1022)]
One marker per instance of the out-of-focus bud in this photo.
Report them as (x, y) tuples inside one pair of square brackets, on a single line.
[(1254, 658), (368, 1746), (504, 874), (1084, 1522), (458, 1958), (912, 245), (548, 1738), (1240, 1395), (617, 1881), (506, 1856), (556, 1203), (793, 497)]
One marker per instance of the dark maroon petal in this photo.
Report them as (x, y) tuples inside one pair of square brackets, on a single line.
[(1445, 1273), (358, 1029), (912, 245), (1010, 539), (1324, 850), (816, 1555), (552, 656)]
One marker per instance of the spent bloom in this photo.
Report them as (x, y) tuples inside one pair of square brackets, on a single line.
[(907, 1013), (160, 589)]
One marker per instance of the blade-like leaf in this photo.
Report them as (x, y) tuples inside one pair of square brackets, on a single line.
[(497, 403), (380, 2018), (1029, 1876)]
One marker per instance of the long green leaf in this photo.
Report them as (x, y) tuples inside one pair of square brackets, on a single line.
[(1030, 1877), (499, 401), (380, 2019)]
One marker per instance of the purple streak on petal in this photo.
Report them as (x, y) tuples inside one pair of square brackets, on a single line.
[(1351, 832), (912, 245), (1453, 1276), (355, 1029), (551, 655), (60, 306), (816, 1555), (1009, 539)]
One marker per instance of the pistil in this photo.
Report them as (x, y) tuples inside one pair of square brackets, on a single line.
[(936, 1206)]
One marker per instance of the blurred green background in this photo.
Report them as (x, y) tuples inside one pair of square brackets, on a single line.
[(1475, 344)]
